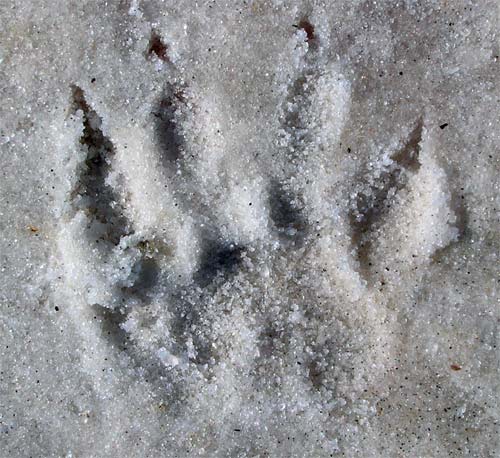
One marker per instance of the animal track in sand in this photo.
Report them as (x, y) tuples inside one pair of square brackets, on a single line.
[(200, 270)]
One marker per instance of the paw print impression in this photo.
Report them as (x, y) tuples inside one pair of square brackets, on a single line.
[(254, 287)]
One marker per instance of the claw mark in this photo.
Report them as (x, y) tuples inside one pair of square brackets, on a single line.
[(308, 28), (374, 200), (92, 194), (157, 47)]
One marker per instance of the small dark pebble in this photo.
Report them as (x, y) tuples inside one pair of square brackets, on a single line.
[(442, 126)]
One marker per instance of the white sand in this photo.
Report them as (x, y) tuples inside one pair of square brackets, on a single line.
[(254, 229)]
